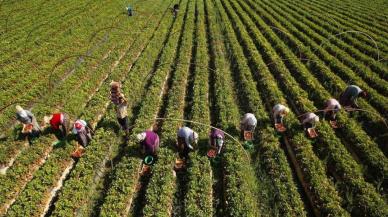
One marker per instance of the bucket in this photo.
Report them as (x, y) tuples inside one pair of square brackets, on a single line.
[(148, 160)]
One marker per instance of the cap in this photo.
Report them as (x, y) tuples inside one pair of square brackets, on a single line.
[(141, 136)]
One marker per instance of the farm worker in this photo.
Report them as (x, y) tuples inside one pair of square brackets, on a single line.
[(332, 108), (59, 122), (115, 93), (248, 123), (349, 97), (83, 132), (279, 112), (310, 120), (121, 109), (175, 10), (186, 137), (149, 142), (217, 139), (30, 125), (129, 10)]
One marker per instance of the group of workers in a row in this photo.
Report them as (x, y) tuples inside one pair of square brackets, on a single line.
[(186, 137)]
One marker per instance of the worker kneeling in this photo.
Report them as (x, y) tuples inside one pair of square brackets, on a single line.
[(331, 110), (247, 126), (279, 112), (309, 123), (349, 97), (216, 142), (59, 122), (83, 135), (31, 127)]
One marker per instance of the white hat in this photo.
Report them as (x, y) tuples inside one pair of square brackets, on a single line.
[(141, 136), (19, 108), (316, 118), (195, 137)]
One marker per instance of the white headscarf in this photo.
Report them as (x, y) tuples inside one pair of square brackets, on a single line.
[(141, 136)]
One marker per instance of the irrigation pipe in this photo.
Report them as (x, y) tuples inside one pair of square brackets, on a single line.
[(351, 31), (351, 110)]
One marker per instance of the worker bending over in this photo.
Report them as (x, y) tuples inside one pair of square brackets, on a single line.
[(149, 143), (30, 125), (175, 10), (186, 137), (349, 97), (248, 123), (331, 110), (83, 133), (217, 139), (59, 122), (129, 10), (309, 123), (279, 112)]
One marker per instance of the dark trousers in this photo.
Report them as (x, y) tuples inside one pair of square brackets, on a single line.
[(183, 149), (330, 115), (123, 123), (308, 125)]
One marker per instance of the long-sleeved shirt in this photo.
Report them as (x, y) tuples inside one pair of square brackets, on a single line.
[(56, 120), (26, 117), (121, 110), (249, 120), (311, 118), (188, 135), (332, 104), (217, 134), (151, 141), (350, 95)]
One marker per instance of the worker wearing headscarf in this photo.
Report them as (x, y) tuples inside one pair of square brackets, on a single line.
[(349, 97), (149, 142), (82, 132), (186, 137), (59, 122), (331, 109), (279, 112), (27, 118)]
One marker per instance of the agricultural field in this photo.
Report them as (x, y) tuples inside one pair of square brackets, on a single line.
[(208, 66)]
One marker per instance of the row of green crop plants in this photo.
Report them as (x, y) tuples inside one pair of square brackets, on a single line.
[(330, 147), (353, 47), (284, 198), (372, 124), (354, 22), (28, 162), (47, 50)]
